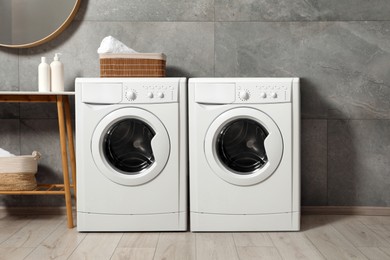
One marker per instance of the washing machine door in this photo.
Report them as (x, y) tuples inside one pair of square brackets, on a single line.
[(243, 146), (130, 146)]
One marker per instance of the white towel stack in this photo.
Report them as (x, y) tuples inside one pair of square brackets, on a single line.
[(111, 45), (4, 153)]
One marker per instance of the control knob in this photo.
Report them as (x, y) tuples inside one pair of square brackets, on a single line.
[(274, 95), (131, 95), (150, 95), (244, 95), (263, 95), (160, 95)]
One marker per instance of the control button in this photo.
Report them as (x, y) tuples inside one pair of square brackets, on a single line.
[(274, 95), (160, 95), (131, 95), (244, 95), (150, 95), (263, 95)]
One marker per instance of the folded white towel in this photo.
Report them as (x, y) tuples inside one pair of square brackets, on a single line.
[(4, 153), (111, 45)]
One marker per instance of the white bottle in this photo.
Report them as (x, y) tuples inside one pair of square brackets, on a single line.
[(43, 76), (57, 74)]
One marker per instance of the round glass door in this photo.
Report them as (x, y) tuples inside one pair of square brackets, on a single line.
[(240, 146), (127, 146), (243, 146), (130, 146)]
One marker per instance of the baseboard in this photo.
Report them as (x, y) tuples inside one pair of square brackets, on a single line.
[(345, 210), (32, 210)]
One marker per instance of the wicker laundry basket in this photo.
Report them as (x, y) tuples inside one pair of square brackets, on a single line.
[(132, 65), (18, 172)]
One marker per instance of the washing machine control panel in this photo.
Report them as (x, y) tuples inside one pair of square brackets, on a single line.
[(150, 93), (263, 92)]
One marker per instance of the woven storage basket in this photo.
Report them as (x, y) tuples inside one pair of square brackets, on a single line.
[(132, 65), (18, 172)]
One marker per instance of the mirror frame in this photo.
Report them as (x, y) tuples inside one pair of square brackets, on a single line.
[(51, 36)]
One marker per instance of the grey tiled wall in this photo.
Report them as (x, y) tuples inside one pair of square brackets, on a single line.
[(339, 48)]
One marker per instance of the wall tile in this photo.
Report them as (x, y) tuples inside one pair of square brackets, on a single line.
[(296, 10), (189, 52), (9, 80), (42, 135), (9, 135), (151, 10), (314, 162), (344, 66), (358, 162), (9, 110), (43, 110), (9, 141), (38, 110)]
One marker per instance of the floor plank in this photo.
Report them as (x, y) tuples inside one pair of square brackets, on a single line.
[(97, 246), (14, 253), (331, 243), (59, 245), (136, 246), (386, 250), (215, 246), (9, 225), (356, 232), (294, 246), (252, 239), (123, 253), (374, 253), (374, 220), (32, 234), (380, 225), (180, 246), (258, 253), (139, 240)]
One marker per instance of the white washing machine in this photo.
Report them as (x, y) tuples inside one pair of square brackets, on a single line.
[(244, 154), (131, 154)]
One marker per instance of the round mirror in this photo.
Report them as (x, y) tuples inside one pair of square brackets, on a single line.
[(28, 23)]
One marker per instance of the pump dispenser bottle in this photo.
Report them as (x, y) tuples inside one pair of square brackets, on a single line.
[(57, 74), (43, 76)]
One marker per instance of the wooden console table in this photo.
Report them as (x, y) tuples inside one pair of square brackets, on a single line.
[(66, 135)]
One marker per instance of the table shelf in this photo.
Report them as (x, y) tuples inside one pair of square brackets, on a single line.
[(41, 189), (66, 143)]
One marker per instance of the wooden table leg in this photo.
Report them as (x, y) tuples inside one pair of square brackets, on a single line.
[(64, 156), (71, 149)]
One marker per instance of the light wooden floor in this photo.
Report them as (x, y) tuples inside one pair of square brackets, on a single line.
[(322, 237)]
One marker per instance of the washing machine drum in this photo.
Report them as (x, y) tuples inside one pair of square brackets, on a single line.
[(130, 146), (127, 146), (243, 146), (240, 146)]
